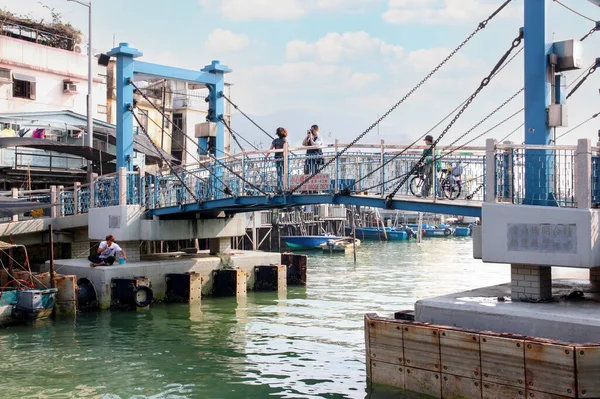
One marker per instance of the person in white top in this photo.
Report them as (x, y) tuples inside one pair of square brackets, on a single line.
[(106, 253)]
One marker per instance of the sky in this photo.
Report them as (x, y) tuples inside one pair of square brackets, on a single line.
[(343, 63)]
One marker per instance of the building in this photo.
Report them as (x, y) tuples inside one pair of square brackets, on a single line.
[(41, 69)]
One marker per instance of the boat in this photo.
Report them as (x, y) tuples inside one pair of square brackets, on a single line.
[(462, 231), (20, 300), (442, 230), (342, 245), (308, 242), (392, 233)]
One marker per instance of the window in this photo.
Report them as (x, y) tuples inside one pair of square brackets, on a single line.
[(23, 86), (143, 117)]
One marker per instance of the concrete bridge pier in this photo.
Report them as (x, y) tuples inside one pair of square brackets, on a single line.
[(531, 283)]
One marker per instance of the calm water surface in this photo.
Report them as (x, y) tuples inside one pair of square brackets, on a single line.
[(306, 344)]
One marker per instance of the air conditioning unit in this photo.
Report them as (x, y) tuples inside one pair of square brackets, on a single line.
[(77, 49), (70, 88), (5, 74)]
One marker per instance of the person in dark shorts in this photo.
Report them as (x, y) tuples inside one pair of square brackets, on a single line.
[(106, 253), (278, 144)]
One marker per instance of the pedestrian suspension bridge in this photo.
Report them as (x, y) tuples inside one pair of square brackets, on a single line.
[(358, 173)]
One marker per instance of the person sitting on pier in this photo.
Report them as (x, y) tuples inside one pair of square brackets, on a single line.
[(278, 144), (106, 253)]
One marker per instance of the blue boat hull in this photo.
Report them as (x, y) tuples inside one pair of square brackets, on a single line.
[(375, 233), (446, 232), (462, 232), (307, 242)]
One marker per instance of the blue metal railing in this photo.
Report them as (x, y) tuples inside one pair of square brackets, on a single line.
[(595, 180)]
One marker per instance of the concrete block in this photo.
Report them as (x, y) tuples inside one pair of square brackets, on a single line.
[(123, 222), (156, 230)]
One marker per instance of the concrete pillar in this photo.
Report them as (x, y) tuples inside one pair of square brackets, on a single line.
[(93, 190), (80, 249), (490, 170), (15, 195), (122, 186), (583, 182), (219, 245), (531, 282), (53, 202)]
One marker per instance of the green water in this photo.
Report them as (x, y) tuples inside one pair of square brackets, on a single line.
[(306, 344)]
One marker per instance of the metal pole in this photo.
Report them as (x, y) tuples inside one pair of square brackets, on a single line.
[(354, 233), (51, 253), (90, 121)]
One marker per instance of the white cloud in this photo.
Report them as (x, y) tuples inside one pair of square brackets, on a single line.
[(335, 47), (225, 41), (245, 10), (441, 12)]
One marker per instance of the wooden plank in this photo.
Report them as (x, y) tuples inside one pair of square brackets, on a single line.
[(421, 348), (503, 361), (531, 394), (588, 371), (423, 382), (385, 353), (387, 374), (456, 387), (386, 333), (368, 322), (550, 368), (497, 391), (459, 352)]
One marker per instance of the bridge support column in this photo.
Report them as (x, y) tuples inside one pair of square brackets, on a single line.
[(54, 209), (532, 283), (15, 195), (219, 245), (490, 170), (583, 171)]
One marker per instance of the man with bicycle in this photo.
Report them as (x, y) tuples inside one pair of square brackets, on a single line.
[(428, 168)]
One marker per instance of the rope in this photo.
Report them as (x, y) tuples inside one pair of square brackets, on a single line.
[(246, 116), (516, 42), (578, 126), (574, 12), (208, 154), (160, 153), (481, 26), (234, 133)]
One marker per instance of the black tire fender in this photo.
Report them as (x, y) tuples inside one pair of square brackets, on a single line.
[(447, 231), (149, 296)]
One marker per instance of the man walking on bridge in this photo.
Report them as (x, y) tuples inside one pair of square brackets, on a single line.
[(428, 168)]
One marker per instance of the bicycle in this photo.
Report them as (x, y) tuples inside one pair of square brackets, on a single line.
[(449, 183)]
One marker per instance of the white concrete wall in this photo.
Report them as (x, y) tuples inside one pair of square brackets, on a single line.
[(50, 67), (580, 249), (187, 229), (127, 223), (155, 271)]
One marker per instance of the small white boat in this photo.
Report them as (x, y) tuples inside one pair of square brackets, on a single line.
[(340, 245)]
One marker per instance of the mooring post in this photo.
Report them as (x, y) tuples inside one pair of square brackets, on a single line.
[(51, 254)]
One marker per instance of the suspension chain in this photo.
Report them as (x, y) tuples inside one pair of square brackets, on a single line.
[(227, 190), (163, 158), (246, 116), (470, 196), (578, 85), (481, 26), (516, 42)]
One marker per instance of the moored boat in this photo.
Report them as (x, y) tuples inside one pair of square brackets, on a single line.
[(462, 231), (342, 245), (392, 233), (307, 242)]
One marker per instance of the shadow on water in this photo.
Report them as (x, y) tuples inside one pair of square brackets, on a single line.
[(306, 343)]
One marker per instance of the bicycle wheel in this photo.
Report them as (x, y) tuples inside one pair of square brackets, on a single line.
[(451, 190), (416, 184)]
